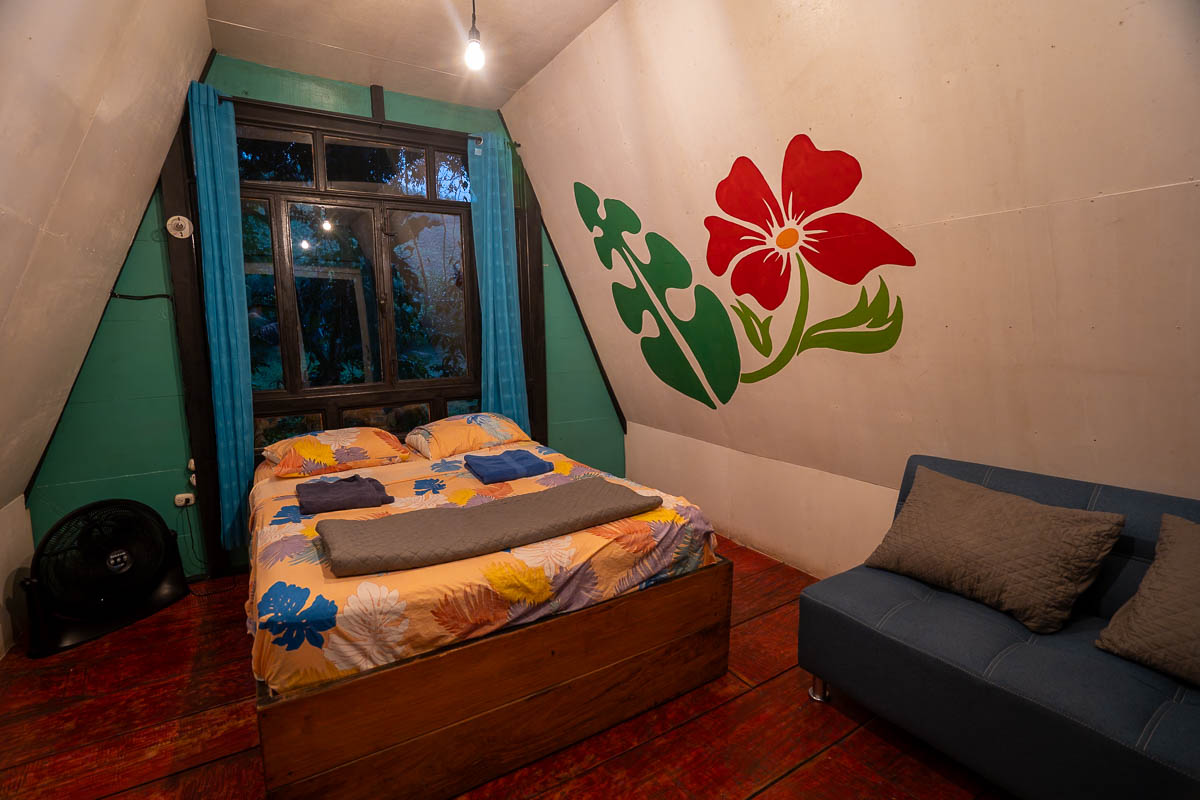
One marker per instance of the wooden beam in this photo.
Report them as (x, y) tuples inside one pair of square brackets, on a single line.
[(377, 111), (192, 336)]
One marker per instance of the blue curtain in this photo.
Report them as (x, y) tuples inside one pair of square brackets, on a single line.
[(494, 227), (214, 146)]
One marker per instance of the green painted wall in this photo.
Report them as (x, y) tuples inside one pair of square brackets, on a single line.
[(239, 78), (582, 421), (123, 433)]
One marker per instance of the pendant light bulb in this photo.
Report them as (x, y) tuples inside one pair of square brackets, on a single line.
[(474, 55)]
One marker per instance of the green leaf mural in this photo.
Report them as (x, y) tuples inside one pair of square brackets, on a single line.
[(758, 332), (869, 327), (698, 356)]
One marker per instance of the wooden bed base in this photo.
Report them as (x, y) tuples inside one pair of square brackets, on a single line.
[(438, 724)]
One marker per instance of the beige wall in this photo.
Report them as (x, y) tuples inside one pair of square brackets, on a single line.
[(92, 95), (1040, 159), (16, 551), (820, 522)]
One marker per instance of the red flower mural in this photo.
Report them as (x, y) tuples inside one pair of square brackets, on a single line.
[(843, 246)]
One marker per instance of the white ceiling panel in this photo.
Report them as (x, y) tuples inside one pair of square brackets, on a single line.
[(410, 46)]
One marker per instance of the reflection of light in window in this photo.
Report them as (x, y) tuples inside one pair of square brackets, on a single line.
[(304, 245), (327, 225)]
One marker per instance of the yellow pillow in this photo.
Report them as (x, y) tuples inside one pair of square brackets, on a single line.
[(335, 451), (464, 433)]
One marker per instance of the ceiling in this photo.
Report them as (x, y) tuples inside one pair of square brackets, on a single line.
[(410, 46)]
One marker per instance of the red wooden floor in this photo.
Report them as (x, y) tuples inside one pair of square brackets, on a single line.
[(165, 708)]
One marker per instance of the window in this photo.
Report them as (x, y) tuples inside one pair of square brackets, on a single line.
[(426, 254), (273, 156), (360, 284), (333, 271)]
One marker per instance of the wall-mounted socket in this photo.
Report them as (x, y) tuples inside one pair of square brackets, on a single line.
[(185, 499)]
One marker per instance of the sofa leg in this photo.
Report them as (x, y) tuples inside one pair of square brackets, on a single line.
[(819, 690)]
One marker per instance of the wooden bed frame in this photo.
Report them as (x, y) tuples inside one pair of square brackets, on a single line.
[(443, 722)]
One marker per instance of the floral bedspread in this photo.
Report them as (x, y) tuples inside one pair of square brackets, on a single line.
[(310, 626)]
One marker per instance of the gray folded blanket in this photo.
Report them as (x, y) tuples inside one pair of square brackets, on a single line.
[(437, 535)]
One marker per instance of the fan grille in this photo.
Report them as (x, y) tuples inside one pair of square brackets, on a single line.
[(102, 558)]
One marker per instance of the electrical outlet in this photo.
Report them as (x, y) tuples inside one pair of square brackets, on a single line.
[(185, 499)]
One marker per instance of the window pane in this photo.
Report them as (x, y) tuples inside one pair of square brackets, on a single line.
[(275, 156), (335, 294), (456, 407), (268, 430), (452, 181), (266, 364), (426, 255), (397, 419), (370, 168)]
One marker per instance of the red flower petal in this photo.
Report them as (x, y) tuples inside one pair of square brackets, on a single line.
[(764, 275), (848, 247), (725, 240), (814, 180), (745, 194)]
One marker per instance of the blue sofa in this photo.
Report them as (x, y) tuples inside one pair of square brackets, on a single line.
[(1044, 716)]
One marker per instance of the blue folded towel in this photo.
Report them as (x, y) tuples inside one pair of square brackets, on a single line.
[(507, 466)]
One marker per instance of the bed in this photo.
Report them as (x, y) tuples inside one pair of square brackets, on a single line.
[(414, 683)]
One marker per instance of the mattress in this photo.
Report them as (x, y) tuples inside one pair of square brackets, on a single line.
[(311, 627)]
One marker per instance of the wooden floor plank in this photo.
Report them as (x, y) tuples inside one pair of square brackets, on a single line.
[(833, 775), (29, 735), (732, 751), (758, 592), (194, 634), (763, 647), (136, 757), (571, 761), (747, 561), (235, 777), (911, 765)]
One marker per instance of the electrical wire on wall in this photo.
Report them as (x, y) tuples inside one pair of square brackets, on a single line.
[(183, 520)]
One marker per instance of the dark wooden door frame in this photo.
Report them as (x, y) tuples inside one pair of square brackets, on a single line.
[(178, 195)]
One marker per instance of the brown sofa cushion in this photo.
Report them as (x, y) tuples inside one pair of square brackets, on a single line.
[(1160, 625), (1016, 555)]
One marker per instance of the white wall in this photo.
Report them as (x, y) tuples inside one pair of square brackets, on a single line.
[(92, 95), (16, 551), (1041, 162), (817, 521)]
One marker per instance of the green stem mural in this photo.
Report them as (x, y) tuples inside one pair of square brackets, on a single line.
[(792, 345)]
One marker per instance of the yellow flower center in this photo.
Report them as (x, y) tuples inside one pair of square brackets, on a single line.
[(787, 238)]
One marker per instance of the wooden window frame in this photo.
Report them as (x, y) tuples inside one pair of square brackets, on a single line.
[(389, 390)]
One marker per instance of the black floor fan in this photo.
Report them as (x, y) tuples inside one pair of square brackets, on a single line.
[(99, 568)]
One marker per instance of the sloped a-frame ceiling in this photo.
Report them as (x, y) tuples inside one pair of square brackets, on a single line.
[(92, 96)]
